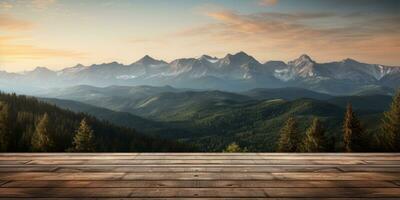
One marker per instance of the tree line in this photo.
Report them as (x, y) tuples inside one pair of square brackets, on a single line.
[(30, 125), (43, 140), (27, 124), (354, 139)]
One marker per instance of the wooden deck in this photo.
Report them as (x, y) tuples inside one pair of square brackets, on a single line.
[(199, 175)]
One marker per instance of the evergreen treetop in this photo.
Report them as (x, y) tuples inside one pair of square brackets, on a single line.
[(289, 137), (233, 148), (42, 138), (353, 134), (314, 140), (391, 125), (84, 138)]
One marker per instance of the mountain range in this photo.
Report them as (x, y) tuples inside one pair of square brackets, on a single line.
[(234, 72)]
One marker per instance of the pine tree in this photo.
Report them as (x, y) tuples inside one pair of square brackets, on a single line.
[(289, 137), (391, 125), (84, 139), (314, 139), (353, 134), (4, 127), (233, 148), (42, 138)]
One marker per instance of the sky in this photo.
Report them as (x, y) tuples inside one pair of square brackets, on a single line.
[(62, 33)]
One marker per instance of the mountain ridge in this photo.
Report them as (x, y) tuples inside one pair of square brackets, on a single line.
[(233, 72)]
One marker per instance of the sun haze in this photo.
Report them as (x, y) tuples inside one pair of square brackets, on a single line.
[(58, 34)]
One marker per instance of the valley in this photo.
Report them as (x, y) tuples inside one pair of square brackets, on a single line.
[(213, 119)]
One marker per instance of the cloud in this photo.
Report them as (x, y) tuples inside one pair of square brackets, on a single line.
[(294, 25), (6, 5), (325, 34), (268, 2), (38, 5), (12, 49), (8, 22), (42, 4), (267, 23)]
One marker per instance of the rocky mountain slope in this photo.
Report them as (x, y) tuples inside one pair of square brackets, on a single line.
[(234, 72)]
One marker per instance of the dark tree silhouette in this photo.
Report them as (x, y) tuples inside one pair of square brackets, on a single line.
[(391, 125), (353, 134), (4, 127)]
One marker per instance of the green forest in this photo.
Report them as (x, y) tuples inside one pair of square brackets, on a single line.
[(354, 137), (303, 125), (27, 124)]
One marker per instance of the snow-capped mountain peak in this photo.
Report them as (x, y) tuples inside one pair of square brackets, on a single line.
[(303, 67), (239, 58), (302, 60), (209, 58), (233, 71)]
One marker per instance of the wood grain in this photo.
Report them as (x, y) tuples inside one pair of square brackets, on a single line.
[(199, 175)]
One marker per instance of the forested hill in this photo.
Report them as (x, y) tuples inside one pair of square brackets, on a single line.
[(20, 116)]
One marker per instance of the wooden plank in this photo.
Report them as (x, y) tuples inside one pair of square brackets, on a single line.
[(397, 182), (137, 162), (199, 184), (194, 162), (102, 184), (201, 192), (22, 168), (64, 192), (297, 184), (337, 176), (13, 162), (369, 168), (200, 175), (133, 168), (2, 183), (265, 176), (197, 157), (60, 176), (332, 157), (182, 157), (383, 162), (310, 162), (333, 192)]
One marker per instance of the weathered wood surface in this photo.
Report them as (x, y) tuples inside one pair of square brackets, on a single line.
[(199, 175)]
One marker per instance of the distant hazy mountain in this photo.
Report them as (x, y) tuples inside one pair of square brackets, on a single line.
[(87, 92), (369, 102), (289, 93), (147, 101), (374, 90), (237, 72), (118, 118), (145, 126), (165, 103)]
